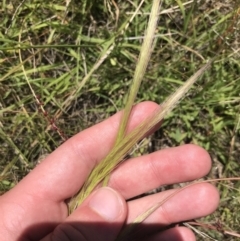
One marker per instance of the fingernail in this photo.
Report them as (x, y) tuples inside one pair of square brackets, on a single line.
[(106, 203)]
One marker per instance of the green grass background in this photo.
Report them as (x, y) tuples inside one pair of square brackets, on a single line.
[(80, 56)]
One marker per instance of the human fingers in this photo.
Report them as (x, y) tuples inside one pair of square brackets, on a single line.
[(191, 202), (100, 217), (168, 166), (195, 201), (173, 234)]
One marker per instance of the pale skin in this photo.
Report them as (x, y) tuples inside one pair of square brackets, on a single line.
[(36, 208)]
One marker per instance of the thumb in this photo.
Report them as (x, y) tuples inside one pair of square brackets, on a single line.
[(100, 217)]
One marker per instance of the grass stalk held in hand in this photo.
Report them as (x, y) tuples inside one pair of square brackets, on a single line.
[(143, 60), (119, 151), (145, 54)]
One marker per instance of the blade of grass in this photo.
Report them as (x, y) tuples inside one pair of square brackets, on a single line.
[(17, 151), (145, 54)]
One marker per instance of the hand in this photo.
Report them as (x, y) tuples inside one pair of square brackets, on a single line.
[(36, 209)]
